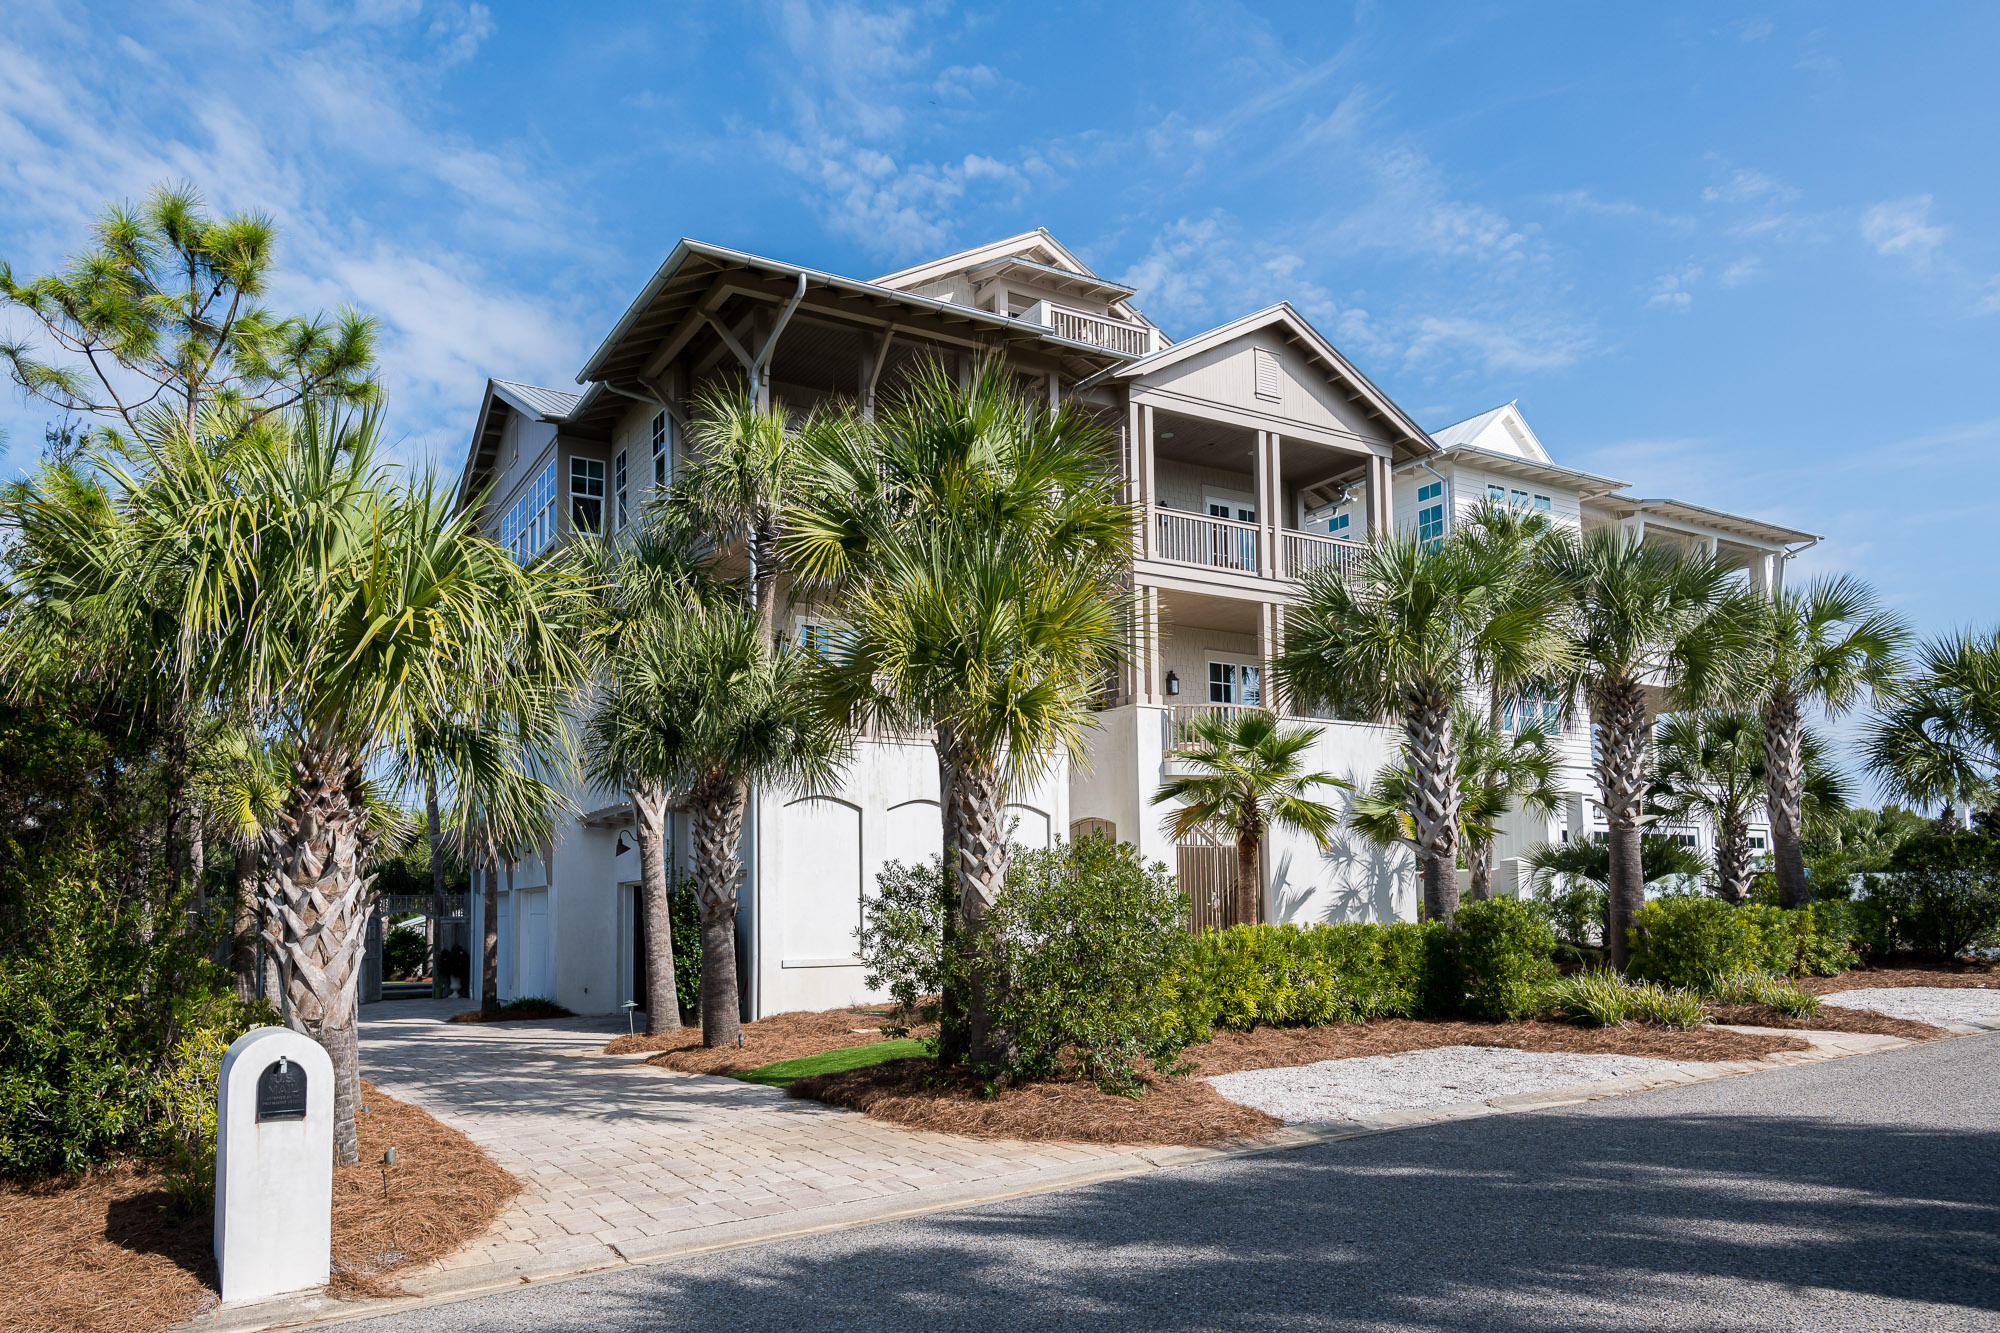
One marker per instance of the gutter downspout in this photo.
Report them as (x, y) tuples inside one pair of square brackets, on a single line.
[(760, 366)]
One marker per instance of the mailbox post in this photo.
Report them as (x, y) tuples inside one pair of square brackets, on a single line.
[(273, 1166)]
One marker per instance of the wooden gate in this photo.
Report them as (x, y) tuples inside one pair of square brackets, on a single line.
[(1208, 878)]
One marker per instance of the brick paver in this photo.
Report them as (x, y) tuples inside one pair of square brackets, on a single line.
[(611, 1150)]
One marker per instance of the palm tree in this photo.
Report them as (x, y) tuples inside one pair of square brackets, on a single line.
[(1247, 775), (1828, 644), (498, 812), (246, 782), (340, 610), (1711, 766), (1514, 534), (703, 703), (1652, 626), (1404, 637), (1937, 741), (970, 543), (742, 469), (1589, 860), (643, 577), (1498, 771)]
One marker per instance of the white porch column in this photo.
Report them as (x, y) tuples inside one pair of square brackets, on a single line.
[(1381, 503), (1270, 642), (1267, 509), (1143, 437), (1146, 666)]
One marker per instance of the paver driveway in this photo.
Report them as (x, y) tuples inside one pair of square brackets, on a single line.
[(617, 1153)]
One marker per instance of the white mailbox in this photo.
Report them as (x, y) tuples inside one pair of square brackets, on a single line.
[(273, 1166)]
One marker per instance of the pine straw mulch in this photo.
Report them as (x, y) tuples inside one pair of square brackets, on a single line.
[(1830, 1018), (780, 1037), (1190, 1111), (99, 1253), (1962, 974)]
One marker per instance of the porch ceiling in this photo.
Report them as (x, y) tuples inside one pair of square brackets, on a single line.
[(1231, 615)]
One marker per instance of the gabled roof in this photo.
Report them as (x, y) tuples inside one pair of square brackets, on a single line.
[(1587, 485), (535, 401), (1298, 331), (499, 398), (1036, 245), (1501, 430)]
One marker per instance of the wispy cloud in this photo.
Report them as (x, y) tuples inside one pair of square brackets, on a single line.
[(1903, 228)]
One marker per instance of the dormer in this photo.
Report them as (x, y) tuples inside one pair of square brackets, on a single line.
[(1501, 431), (1033, 277)]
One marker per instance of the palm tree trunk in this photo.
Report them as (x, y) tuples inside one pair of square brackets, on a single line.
[(1621, 779), (649, 817), (1434, 803), (1784, 785), (718, 837), (1479, 861), (1249, 895), (764, 559), (321, 906), (243, 879), (978, 836), (952, 1043), (1732, 860), (439, 987), (489, 944)]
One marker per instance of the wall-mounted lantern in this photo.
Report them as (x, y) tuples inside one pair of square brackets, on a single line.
[(1173, 683)]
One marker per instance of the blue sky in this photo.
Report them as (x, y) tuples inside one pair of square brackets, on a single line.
[(1745, 256)]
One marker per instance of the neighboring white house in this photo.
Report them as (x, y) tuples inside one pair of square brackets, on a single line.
[(1256, 452)]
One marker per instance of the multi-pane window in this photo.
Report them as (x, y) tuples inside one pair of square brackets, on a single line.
[(1235, 683), (1528, 709), (586, 494), (1496, 494), (621, 507), (1519, 499), (1430, 512), (1338, 524), (530, 525), (1542, 503), (662, 454)]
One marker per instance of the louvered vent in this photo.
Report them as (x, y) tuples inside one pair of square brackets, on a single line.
[(1267, 374)]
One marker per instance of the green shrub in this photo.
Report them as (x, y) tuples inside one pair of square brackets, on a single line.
[(1941, 896), (1293, 975), (1084, 937), (1574, 909), (404, 953), (684, 912), (1502, 948), (1810, 941), (1673, 1007), (1683, 941), (901, 939), (98, 1025)]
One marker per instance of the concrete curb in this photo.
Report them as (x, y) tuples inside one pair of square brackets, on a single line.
[(439, 1287)]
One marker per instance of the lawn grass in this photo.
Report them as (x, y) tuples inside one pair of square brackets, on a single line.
[(781, 1073)]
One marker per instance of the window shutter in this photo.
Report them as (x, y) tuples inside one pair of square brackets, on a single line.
[(1267, 374)]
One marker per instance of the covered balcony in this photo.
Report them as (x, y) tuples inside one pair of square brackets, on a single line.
[(1233, 500)]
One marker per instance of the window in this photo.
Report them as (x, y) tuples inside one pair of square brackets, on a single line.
[(1267, 374), (1496, 494), (1235, 683), (1430, 517), (529, 526), (1684, 839), (1530, 708), (586, 494), (621, 513), (1519, 499), (1338, 524), (1542, 503), (662, 453), (1756, 842)]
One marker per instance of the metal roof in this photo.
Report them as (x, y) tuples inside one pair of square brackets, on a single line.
[(1735, 525), (536, 401), (1589, 485)]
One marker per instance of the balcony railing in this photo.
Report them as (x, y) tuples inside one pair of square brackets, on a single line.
[(1306, 552), (1080, 326), (1195, 539), (1182, 717)]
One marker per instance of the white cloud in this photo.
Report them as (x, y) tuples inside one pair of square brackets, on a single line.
[(1670, 290), (1743, 185), (1520, 345), (1741, 271), (1989, 299), (1902, 227)]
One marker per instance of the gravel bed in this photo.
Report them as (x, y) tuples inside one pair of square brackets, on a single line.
[(1417, 1080), (1926, 1004)]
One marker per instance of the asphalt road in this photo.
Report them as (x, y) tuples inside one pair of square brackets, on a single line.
[(1854, 1194)]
